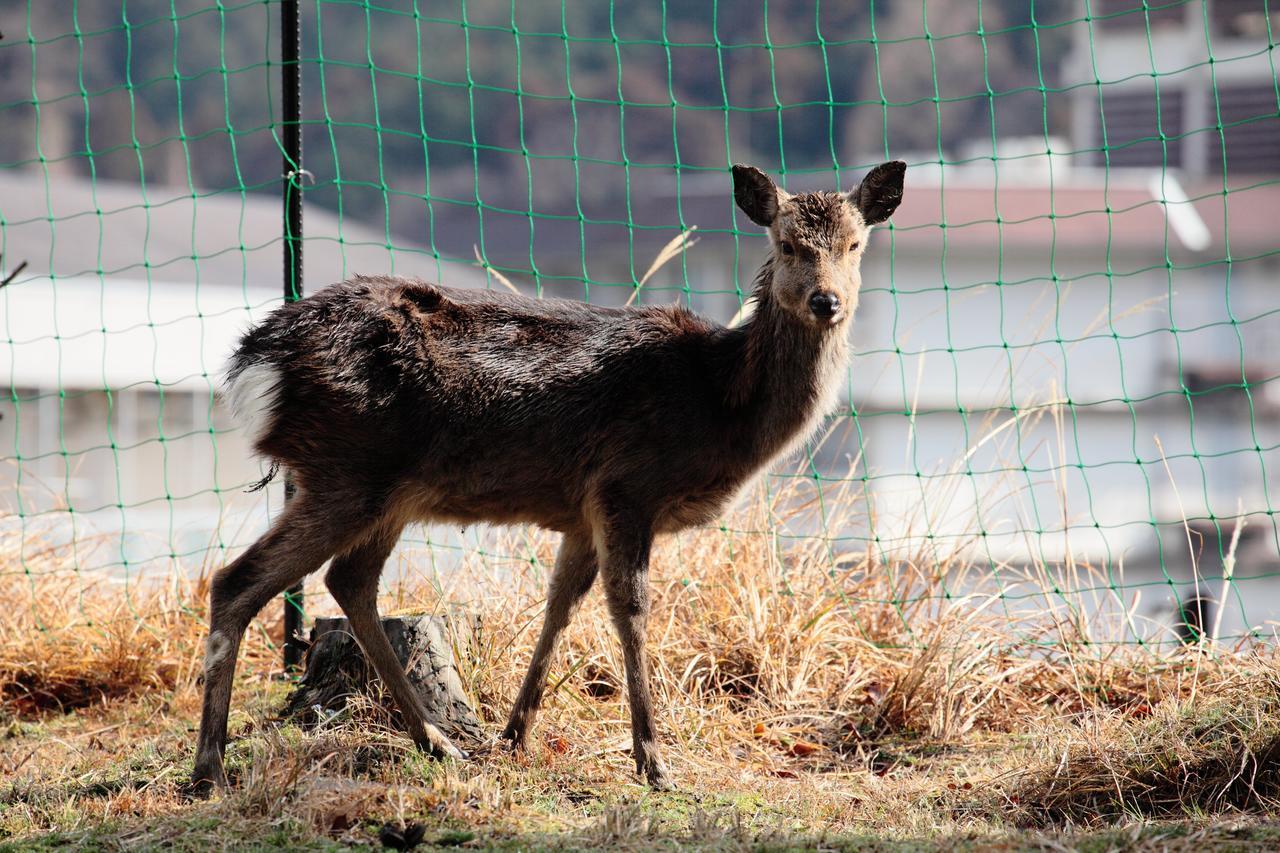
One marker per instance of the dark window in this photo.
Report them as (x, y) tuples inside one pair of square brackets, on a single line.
[(1244, 18), (1250, 129), (1222, 387), (1131, 15), (1133, 121)]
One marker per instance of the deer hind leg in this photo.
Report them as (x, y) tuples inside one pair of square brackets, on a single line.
[(625, 570), (574, 573), (353, 581), (301, 539)]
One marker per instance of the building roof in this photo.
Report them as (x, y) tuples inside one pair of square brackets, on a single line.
[(1080, 208), (130, 289), (76, 227), (86, 333), (1132, 212), (173, 278)]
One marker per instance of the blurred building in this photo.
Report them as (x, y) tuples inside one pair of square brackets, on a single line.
[(114, 338), (1068, 348), (1215, 90)]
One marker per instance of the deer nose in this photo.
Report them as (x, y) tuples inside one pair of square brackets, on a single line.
[(824, 305)]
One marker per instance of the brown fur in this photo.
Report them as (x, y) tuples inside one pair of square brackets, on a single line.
[(395, 400)]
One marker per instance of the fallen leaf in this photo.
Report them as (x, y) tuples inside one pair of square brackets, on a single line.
[(802, 748)]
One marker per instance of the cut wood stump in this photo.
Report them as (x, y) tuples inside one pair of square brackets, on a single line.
[(336, 669)]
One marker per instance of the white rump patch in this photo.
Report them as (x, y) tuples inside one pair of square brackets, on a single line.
[(253, 396)]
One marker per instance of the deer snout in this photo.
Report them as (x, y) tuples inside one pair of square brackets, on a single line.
[(824, 305)]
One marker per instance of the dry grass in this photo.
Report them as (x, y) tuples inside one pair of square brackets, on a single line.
[(1216, 752), (73, 641), (806, 694)]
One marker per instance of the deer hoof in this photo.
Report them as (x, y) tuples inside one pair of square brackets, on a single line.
[(660, 780), (446, 749), (197, 789), (203, 784), (655, 773), (434, 742), (512, 738), (650, 765)]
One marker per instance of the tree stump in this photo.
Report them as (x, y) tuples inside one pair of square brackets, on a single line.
[(336, 669)]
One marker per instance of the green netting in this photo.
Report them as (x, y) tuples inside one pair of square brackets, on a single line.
[(1069, 336)]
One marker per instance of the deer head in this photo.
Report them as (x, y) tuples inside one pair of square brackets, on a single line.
[(818, 238)]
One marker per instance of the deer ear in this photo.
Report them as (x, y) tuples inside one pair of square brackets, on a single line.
[(880, 192), (756, 194)]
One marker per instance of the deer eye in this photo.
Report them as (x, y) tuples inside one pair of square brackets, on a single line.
[(787, 248), (853, 247)]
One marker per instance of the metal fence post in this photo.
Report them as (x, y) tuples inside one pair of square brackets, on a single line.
[(291, 86)]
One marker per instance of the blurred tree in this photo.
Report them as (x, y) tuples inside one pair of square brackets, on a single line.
[(171, 91)]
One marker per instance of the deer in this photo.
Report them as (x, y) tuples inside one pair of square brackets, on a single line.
[(392, 400)]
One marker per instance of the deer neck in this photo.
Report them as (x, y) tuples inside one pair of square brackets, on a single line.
[(787, 377)]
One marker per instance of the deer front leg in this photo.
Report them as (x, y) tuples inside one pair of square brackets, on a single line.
[(625, 568)]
